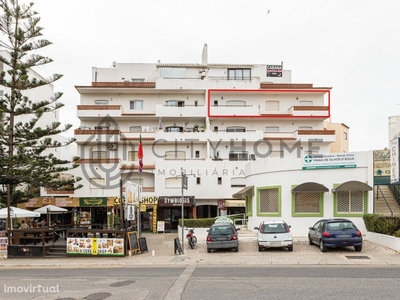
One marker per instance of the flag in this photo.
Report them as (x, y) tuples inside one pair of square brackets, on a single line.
[(140, 154)]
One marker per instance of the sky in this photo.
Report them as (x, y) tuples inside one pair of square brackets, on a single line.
[(351, 46)]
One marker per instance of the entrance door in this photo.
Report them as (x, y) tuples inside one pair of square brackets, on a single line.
[(99, 218)]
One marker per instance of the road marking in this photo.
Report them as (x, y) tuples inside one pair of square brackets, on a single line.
[(176, 290)]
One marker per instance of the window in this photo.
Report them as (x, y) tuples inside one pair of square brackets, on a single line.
[(166, 72), (305, 128), (138, 181), (268, 201), (238, 156), (215, 128), (96, 183), (136, 104), (219, 180), (238, 182), (175, 103), (236, 103), (135, 129), (133, 156), (271, 105), (272, 129), (99, 154), (236, 129), (175, 155), (101, 102), (305, 103), (198, 180), (174, 129), (197, 154), (345, 136), (350, 202), (215, 102), (239, 74), (307, 204), (102, 127)]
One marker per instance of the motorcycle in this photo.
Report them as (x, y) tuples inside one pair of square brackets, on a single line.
[(191, 238)]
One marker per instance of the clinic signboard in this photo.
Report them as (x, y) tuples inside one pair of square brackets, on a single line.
[(329, 161)]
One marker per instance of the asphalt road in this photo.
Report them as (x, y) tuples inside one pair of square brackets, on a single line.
[(202, 282)]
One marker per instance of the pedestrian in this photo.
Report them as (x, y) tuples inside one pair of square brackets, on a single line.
[(23, 225)]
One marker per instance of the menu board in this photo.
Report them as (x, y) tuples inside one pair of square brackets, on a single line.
[(3, 245), (96, 246), (79, 246), (110, 246)]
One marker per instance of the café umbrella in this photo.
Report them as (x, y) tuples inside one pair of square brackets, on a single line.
[(16, 212), (49, 210)]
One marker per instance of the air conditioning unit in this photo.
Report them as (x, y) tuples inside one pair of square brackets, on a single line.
[(252, 156), (112, 146)]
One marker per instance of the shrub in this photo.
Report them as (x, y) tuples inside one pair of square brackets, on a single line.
[(381, 224)]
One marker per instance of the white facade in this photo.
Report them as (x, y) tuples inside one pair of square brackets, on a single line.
[(287, 173), (227, 126)]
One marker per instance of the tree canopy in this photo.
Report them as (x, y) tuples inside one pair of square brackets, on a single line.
[(29, 130)]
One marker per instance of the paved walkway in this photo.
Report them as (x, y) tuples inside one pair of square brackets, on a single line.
[(161, 253)]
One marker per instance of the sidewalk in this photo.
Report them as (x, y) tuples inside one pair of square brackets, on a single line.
[(161, 253)]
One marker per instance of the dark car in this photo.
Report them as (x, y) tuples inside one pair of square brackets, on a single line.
[(222, 236), (334, 233)]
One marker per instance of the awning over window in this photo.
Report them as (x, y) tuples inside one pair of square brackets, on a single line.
[(235, 203), (351, 186), (310, 187), (247, 191)]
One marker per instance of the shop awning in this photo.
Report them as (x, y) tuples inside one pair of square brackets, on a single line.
[(247, 191), (351, 186), (310, 187), (235, 203)]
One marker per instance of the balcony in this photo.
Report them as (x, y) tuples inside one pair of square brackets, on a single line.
[(325, 135), (309, 111), (95, 135), (234, 110), (99, 111), (185, 111), (223, 135)]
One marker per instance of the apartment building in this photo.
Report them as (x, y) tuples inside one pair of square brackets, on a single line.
[(205, 120)]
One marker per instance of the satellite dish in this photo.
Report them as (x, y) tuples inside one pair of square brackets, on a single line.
[(114, 64)]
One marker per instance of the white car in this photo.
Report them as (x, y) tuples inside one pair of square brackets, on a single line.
[(273, 234)]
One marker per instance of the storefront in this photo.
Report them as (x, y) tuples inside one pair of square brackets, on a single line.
[(170, 210), (88, 212), (148, 213)]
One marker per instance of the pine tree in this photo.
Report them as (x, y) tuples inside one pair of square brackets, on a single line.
[(26, 146)]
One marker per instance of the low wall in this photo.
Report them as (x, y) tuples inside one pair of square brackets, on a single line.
[(199, 232), (384, 240)]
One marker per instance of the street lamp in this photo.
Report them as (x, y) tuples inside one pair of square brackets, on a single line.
[(183, 186)]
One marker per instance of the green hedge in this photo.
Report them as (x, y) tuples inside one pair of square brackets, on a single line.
[(382, 224), (204, 222)]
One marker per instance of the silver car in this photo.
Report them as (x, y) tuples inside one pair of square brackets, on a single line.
[(273, 234)]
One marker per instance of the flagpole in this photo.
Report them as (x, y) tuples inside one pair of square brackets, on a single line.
[(140, 169)]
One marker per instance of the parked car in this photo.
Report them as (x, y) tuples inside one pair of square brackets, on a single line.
[(332, 233), (222, 236), (274, 234)]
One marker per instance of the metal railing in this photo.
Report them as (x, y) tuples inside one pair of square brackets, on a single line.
[(395, 189), (379, 191), (242, 220)]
